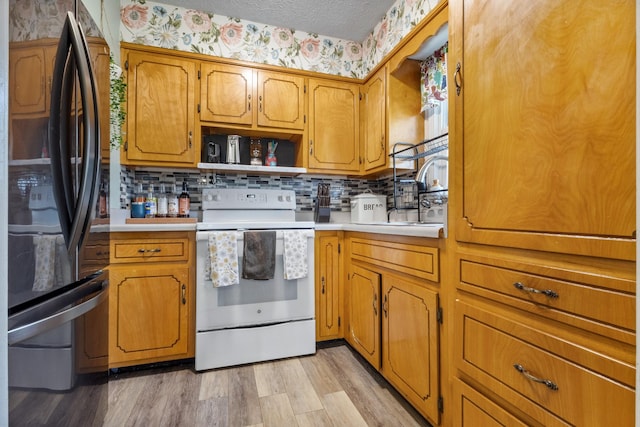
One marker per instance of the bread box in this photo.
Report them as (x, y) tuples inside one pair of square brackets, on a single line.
[(368, 208)]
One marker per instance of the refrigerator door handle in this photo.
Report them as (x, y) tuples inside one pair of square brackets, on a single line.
[(24, 332), (75, 216)]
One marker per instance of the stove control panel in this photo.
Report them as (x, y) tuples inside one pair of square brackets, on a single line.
[(247, 198)]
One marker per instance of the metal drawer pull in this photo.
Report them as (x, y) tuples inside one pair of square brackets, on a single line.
[(142, 251), (547, 292), (550, 384)]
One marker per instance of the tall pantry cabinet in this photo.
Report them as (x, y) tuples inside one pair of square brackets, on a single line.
[(543, 148)]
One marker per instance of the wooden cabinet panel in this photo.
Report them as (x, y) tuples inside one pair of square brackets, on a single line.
[(545, 126), (410, 351), (237, 95), (374, 145), (472, 409), (150, 250), (100, 62), (419, 261), (567, 294), (161, 111), (148, 312), (30, 68), (151, 297), (333, 127), (226, 93), (364, 306), (281, 100), (550, 378), (328, 286)]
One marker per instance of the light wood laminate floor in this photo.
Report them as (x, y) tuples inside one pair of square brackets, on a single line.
[(334, 387)]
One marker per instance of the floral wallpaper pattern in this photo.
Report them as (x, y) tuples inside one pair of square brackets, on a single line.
[(171, 27), (433, 78)]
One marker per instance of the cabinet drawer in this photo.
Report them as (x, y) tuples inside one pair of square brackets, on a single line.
[(419, 261), (149, 250), (599, 303), (472, 409), (509, 356)]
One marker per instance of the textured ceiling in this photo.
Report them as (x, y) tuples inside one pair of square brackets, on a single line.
[(344, 19)]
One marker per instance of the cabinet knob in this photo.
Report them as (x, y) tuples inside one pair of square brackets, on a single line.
[(323, 283), (190, 138)]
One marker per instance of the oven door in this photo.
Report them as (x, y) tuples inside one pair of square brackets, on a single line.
[(252, 302)]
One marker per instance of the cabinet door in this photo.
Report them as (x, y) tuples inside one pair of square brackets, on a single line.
[(410, 350), (148, 313), (364, 306), (374, 141), (327, 287), (226, 93), (29, 74), (545, 125), (280, 100), (333, 127), (160, 110), (100, 63)]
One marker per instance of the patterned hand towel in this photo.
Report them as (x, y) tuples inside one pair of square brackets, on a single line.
[(295, 254), (259, 259), (45, 251), (223, 258)]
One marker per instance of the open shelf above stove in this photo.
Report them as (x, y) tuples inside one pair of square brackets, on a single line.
[(268, 170)]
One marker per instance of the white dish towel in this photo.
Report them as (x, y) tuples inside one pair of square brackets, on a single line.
[(45, 262), (223, 258), (295, 254)]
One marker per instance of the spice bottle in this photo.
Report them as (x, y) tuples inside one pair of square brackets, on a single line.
[(172, 203), (163, 202), (150, 204)]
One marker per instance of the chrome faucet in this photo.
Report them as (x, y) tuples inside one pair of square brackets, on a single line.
[(421, 177)]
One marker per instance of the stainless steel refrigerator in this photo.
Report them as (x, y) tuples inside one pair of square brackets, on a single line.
[(58, 225)]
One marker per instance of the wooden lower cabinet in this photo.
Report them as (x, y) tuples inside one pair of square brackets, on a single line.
[(151, 300), (410, 353), (328, 287), (393, 318), (472, 409), (364, 307)]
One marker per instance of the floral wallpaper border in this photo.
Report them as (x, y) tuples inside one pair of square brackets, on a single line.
[(156, 24)]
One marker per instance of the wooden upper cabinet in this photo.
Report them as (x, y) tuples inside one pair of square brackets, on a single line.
[(545, 126), (373, 110), (100, 63), (161, 111), (280, 100), (31, 70), (226, 93), (237, 95), (334, 124)]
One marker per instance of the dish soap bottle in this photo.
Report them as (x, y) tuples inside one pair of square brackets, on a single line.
[(184, 202)]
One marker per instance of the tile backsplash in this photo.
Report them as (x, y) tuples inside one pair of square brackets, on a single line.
[(305, 186)]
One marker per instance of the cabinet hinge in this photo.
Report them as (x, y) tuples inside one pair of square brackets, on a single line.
[(360, 96), (305, 118), (199, 76), (126, 145), (339, 321), (198, 108), (439, 315), (305, 88), (339, 248), (440, 404), (126, 64)]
